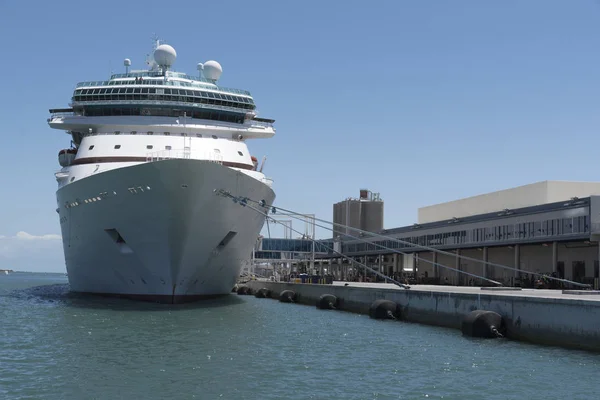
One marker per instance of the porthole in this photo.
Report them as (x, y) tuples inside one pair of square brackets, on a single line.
[(72, 178), (240, 153), (167, 133), (117, 146), (167, 147), (198, 135), (150, 133), (214, 137), (149, 146), (91, 147)]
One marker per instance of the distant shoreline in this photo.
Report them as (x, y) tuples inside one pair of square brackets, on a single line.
[(10, 271)]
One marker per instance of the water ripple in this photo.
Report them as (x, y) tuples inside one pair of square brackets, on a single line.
[(54, 344)]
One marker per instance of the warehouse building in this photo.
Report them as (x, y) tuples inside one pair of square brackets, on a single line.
[(550, 227)]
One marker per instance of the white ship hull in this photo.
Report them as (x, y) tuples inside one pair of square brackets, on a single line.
[(157, 231)]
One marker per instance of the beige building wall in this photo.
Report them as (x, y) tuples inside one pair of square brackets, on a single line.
[(562, 190), (523, 196)]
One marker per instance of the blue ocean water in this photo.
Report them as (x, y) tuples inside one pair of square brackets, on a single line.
[(57, 345)]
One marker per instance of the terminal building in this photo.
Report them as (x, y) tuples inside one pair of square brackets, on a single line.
[(550, 227)]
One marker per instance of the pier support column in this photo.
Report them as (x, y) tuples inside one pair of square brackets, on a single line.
[(401, 266), (349, 266), (459, 277), (395, 265), (436, 268), (484, 265), (517, 260), (555, 257), (597, 270), (415, 262)]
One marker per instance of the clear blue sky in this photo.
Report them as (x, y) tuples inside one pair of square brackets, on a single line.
[(422, 101)]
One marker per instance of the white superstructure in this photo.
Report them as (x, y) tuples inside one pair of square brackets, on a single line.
[(136, 200)]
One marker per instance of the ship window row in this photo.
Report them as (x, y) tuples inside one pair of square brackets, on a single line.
[(162, 82), (158, 91), (550, 228), (198, 135), (181, 92), (163, 112), (149, 147)]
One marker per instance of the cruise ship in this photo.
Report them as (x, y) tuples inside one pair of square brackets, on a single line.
[(136, 192)]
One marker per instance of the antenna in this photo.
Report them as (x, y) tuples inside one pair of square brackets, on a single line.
[(155, 41), (152, 65), (200, 67), (263, 164)]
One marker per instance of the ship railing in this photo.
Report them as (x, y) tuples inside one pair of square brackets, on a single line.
[(166, 103), (261, 124), (61, 114), (183, 154)]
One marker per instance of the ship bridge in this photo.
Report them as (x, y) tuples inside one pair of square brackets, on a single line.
[(161, 92)]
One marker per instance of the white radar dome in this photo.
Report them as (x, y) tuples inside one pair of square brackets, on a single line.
[(165, 55), (127, 62), (212, 70)]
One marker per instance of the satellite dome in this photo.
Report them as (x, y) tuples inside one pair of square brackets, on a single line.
[(127, 62), (165, 55), (212, 70)]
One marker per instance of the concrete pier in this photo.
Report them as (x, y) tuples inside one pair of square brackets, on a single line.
[(567, 319)]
